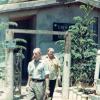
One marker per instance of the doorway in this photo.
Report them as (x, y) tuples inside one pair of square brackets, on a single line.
[(28, 22)]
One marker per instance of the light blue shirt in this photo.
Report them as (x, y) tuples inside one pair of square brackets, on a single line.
[(38, 70)]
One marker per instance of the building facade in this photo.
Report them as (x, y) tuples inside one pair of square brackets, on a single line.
[(52, 15)]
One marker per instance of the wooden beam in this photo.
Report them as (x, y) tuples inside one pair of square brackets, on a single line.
[(45, 32)]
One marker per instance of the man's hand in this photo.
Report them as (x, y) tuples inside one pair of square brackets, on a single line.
[(27, 87), (59, 77), (59, 81), (47, 92)]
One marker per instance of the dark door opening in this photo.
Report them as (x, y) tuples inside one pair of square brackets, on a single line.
[(26, 23)]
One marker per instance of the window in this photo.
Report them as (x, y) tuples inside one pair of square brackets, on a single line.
[(95, 29)]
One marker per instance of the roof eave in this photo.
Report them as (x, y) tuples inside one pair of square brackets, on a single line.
[(39, 4)]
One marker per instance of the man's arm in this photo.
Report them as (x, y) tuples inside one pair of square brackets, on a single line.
[(29, 76), (47, 81), (47, 85), (29, 80), (28, 83), (59, 73), (59, 67)]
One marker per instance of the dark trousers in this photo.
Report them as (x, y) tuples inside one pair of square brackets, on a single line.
[(52, 84)]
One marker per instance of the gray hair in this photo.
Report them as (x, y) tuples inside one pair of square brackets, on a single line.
[(51, 50), (37, 50)]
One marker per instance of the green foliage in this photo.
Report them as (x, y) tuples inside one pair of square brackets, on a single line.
[(2, 53), (18, 40), (19, 48), (2, 26), (83, 49), (60, 44), (2, 58), (3, 1)]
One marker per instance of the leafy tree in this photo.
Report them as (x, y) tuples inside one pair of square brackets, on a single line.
[(83, 47)]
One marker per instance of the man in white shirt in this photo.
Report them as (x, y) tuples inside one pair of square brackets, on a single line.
[(38, 80), (54, 69)]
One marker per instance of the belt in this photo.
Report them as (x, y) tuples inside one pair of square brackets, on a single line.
[(37, 80)]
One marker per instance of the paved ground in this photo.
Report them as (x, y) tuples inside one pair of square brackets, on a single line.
[(57, 94)]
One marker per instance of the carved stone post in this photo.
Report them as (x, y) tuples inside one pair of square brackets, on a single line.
[(66, 68), (9, 67)]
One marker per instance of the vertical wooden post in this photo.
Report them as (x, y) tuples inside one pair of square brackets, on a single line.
[(9, 67), (66, 68)]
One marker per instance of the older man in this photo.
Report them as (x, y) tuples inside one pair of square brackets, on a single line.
[(54, 69), (38, 80)]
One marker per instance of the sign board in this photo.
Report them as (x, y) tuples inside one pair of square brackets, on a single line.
[(62, 27)]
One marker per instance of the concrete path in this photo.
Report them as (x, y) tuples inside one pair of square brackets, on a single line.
[(57, 94)]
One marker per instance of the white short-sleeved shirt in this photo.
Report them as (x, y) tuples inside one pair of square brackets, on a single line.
[(38, 70), (53, 66)]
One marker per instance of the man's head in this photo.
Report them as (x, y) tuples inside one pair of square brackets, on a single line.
[(37, 53), (51, 53)]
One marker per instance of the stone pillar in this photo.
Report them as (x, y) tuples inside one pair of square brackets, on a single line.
[(97, 68), (79, 95), (66, 68), (9, 67), (70, 96), (97, 74)]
